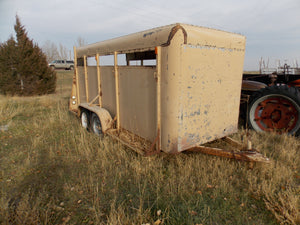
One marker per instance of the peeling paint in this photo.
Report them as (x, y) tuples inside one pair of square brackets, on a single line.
[(192, 114), (148, 34)]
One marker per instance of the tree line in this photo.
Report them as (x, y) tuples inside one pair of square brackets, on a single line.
[(54, 51)]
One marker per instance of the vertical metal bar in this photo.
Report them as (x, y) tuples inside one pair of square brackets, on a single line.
[(158, 96), (86, 79), (117, 89), (99, 80), (76, 75)]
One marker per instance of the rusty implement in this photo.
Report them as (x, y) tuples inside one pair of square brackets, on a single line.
[(241, 152), (237, 150)]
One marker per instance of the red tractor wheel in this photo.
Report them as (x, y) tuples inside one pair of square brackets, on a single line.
[(275, 108)]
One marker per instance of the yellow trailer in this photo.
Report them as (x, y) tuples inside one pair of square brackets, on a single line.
[(188, 96)]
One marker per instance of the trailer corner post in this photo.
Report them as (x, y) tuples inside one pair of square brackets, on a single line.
[(76, 75), (86, 79), (158, 95), (99, 80), (117, 89)]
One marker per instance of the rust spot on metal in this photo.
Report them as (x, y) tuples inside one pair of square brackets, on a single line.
[(151, 151), (173, 32), (74, 79)]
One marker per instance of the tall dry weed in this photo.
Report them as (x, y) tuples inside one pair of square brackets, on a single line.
[(278, 184), (55, 172)]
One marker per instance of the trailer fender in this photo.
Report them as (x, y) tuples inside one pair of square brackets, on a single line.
[(104, 116)]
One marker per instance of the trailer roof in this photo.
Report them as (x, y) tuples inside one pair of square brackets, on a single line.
[(162, 36)]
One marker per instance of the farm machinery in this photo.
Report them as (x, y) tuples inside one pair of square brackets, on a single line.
[(270, 101)]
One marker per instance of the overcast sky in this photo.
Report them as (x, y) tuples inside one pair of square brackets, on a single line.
[(272, 27)]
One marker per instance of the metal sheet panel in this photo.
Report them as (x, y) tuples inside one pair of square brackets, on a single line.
[(138, 100), (210, 86), (81, 84), (108, 89), (200, 89), (171, 69), (148, 39), (93, 82), (203, 36)]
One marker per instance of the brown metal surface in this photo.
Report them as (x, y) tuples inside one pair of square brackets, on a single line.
[(108, 89), (103, 114), (130, 139), (138, 104), (99, 79), (116, 68), (234, 143), (93, 101), (248, 156), (249, 85), (74, 100), (86, 79), (173, 32), (158, 96)]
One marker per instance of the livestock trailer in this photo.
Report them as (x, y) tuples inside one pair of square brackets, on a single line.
[(171, 88)]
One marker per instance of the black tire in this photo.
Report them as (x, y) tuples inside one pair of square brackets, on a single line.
[(71, 68), (85, 119), (52, 67), (275, 108), (96, 124)]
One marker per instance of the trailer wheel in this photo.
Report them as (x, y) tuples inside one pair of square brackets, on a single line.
[(84, 117), (96, 124), (275, 108)]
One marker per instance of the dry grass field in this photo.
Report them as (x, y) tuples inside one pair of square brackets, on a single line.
[(54, 172)]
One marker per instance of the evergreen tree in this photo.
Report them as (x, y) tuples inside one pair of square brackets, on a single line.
[(23, 66), (8, 73)]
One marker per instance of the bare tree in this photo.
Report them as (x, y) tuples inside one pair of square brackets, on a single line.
[(50, 50), (63, 52), (80, 42), (53, 52)]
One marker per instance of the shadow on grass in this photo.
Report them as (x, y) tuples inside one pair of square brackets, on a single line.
[(43, 185)]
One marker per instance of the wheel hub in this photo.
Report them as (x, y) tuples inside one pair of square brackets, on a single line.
[(276, 114)]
